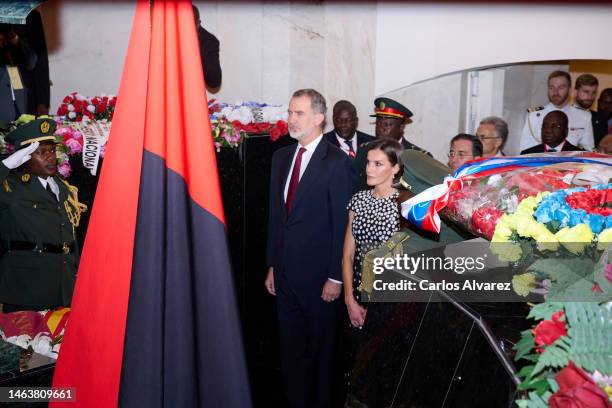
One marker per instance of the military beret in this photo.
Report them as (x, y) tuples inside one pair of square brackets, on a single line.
[(385, 107), (421, 171), (38, 130)]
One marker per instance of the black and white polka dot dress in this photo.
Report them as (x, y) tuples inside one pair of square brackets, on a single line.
[(375, 221)]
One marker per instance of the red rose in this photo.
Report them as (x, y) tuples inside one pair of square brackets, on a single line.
[(548, 331), (67, 99), (101, 108), (112, 102), (279, 130), (484, 221), (62, 110), (577, 390)]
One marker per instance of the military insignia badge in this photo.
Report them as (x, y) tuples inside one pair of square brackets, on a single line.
[(25, 178), (44, 127)]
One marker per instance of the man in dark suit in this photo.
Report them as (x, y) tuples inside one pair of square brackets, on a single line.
[(554, 135), (345, 134), (602, 119), (37, 80), (310, 186), (209, 53)]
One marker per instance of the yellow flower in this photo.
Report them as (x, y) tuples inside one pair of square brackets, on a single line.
[(508, 220), (507, 251), (522, 284), (525, 224), (502, 230), (575, 239), (528, 203), (546, 240), (604, 238)]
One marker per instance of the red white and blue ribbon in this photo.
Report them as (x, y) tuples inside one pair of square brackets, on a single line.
[(422, 210)]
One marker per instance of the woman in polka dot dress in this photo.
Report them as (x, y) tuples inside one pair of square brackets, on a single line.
[(373, 219)]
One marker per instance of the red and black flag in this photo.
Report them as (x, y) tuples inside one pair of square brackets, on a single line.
[(153, 320)]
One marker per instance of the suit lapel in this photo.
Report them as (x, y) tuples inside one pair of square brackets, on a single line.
[(311, 173)]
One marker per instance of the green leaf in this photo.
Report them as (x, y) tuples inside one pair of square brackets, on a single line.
[(554, 356), (526, 371), (589, 327), (544, 311), (524, 345)]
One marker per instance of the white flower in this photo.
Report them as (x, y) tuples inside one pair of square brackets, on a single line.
[(42, 344), (91, 108), (71, 115), (273, 114), (494, 179), (243, 115), (22, 341), (70, 108)]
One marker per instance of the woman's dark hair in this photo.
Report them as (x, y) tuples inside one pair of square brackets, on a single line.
[(393, 151)]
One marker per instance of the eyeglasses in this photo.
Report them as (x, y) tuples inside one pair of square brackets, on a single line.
[(460, 155)]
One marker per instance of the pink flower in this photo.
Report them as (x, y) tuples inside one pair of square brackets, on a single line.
[(608, 272), (64, 169), (74, 146)]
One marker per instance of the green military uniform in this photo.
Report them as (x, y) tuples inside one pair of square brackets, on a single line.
[(39, 262), (383, 107)]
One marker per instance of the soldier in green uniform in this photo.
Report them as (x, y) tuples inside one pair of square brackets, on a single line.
[(391, 119), (38, 214)]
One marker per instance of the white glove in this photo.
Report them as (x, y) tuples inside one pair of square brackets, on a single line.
[(20, 156)]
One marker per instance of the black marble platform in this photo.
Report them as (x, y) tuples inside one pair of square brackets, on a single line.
[(24, 368), (435, 354)]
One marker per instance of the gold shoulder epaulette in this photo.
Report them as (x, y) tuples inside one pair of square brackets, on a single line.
[(6, 186), (535, 109), (73, 207)]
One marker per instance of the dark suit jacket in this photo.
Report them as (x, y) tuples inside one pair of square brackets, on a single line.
[(567, 147), (600, 127), (37, 80), (209, 53), (361, 139), (306, 246)]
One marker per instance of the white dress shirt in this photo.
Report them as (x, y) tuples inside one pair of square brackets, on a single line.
[(310, 148), (52, 184), (344, 146)]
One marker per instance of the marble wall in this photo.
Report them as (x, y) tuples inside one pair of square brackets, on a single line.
[(269, 49)]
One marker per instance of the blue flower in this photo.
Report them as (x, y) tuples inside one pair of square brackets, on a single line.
[(577, 217), (596, 222), (544, 213), (562, 215)]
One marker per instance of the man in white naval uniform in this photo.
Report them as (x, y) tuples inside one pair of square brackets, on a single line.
[(580, 126)]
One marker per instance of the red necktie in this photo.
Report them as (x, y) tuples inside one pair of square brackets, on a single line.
[(351, 152), (295, 179)]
